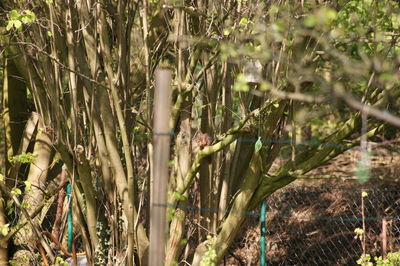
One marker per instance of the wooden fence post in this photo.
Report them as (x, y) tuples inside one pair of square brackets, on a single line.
[(384, 238), (159, 185)]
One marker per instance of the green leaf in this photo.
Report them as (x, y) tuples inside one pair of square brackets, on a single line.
[(326, 15), (13, 263), (310, 21), (60, 261), (9, 204), (1, 178), (16, 191), (17, 24), (28, 185), (5, 229), (265, 86), (244, 21), (179, 196), (29, 13), (23, 158), (10, 24), (25, 20), (29, 17), (358, 231), (25, 205), (241, 83), (9, 208), (14, 15), (258, 145)]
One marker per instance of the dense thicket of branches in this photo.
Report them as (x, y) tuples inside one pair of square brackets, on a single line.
[(78, 89)]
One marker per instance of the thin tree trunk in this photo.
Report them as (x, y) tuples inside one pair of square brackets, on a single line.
[(91, 214), (119, 174), (183, 163), (116, 101), (37, 177), (6, 117), (27, 136), (17, 104), (227, 123), (3, 240), (237, 215), (207, 175), (3, 220)]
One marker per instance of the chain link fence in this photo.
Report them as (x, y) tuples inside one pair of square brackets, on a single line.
[(314, 225)]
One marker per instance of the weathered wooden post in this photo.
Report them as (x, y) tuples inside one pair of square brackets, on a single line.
[(384, 238), (159, 184)]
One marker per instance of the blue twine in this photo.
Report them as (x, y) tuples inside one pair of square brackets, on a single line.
[(70, 231), (262, 232)]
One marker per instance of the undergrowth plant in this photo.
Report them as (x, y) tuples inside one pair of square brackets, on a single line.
[(392, 259)]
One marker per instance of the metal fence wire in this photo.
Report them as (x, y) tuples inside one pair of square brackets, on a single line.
[(314, 225)]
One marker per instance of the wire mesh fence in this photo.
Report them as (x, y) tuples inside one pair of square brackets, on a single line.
[(314, 225)]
